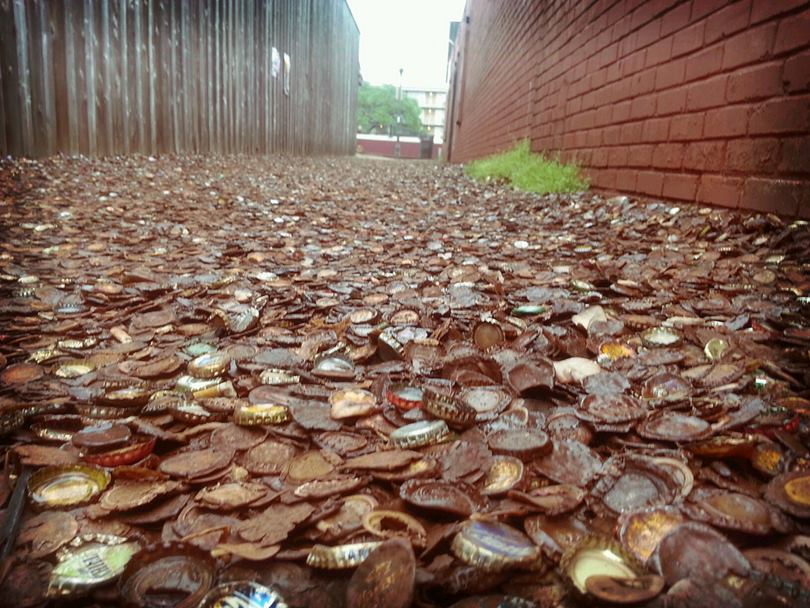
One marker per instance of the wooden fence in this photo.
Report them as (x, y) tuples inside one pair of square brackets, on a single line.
[(102, 77)]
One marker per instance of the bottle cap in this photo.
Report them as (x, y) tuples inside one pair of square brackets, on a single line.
[(245, 594), (341, 556), (261, 413), (209, 365), (89, 562), (424, 432), (66, 485), (491, 545)]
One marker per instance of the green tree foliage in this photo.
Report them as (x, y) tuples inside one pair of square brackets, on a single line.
[(377, 109)]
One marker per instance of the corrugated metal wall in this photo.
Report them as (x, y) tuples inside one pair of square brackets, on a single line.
[(104, 77)]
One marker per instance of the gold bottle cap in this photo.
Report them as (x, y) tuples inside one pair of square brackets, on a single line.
[(190, 384), (209, 365), (341, 556), (424, 432), (260, 413), (66, 486)]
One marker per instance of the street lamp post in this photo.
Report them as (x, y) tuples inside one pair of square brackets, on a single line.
[(399, 114)]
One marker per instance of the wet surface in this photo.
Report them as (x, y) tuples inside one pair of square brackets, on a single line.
[(291, 361)]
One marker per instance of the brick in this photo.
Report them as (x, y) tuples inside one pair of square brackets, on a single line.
[(648, 34), (688, 40), (729, 121), (708, 61), (675, 19), (686, 127), (797, 72), (611, 136), (603, 115), (720, 190), (642, 83), (642, 107), (781, 196), (680, 186), (731, 19), (707, 93), (618, 157), (758, 82), (626, 179), (633, 63), (670, 74), (786, 115), (765, 9), (671, 102), (655, 130), (795, 155), (668, 156), (701, 8), (749, 46), (793, 32), (606, 179), (621, 111), (650, 183), (639, 156), (704, 156), (659, 52), (631, 133), (752, 155), (599, 157)]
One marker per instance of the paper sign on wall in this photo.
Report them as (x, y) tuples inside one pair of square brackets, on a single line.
[(286, 74), (276, 63)]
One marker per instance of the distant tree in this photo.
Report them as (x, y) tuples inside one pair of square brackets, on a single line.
[(378, 107)]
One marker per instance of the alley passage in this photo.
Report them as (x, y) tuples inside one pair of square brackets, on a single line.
[(278, 364)]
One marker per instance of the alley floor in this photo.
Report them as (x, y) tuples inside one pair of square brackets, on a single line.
[(350, 382)]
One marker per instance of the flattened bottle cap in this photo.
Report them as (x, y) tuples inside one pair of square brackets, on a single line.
[(261, 413), (66, 486), (660, 336), (493, 546), (245, 594), (528, 310), (209, 365), (521, 443), (340, 556), (623, 590), (424, 432), (386, 578), (487, 335), (90, 562)]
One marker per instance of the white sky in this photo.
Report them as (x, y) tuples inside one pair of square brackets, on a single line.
[(408, 34)]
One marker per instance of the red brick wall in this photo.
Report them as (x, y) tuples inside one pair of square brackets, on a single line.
[(696, 100)]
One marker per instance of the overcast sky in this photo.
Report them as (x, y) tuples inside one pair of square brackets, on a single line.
[(408, 34)]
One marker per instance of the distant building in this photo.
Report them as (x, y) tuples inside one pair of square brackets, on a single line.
[(432, 102)]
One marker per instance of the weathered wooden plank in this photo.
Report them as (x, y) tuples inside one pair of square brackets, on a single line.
[(120, 76)]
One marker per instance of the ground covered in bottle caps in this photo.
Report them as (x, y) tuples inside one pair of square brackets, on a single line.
[(208, 363)]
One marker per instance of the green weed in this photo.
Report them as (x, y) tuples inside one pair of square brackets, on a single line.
[(528, 171)]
